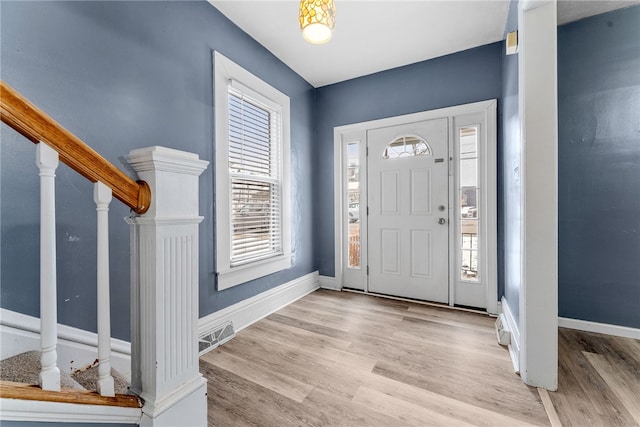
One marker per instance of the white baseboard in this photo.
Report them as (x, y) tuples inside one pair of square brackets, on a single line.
[(251, 310), (327, 282), (40, 411), (600, 328), (76, 348), (512, 327)]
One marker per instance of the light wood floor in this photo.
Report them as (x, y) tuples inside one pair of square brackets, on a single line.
[(598, 380), (345, 359)]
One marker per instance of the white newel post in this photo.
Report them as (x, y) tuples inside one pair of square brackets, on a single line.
[(47, 161), (164, 288), (102, 197)]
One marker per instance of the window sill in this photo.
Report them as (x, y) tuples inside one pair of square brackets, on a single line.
[(244, 273)]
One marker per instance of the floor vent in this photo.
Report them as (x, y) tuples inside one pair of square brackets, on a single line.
[(502, 331), (220, 335)]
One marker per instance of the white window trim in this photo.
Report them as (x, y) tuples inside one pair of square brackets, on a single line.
[(226, 71)]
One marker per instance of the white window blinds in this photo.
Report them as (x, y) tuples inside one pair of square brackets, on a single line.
[(255, 176)]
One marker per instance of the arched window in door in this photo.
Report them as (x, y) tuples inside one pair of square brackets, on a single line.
[(406, 146)]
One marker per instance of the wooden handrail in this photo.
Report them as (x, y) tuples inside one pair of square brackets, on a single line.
[(17, 112)]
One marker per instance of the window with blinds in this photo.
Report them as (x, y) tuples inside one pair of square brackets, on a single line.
[(255, 178), (252, 186)]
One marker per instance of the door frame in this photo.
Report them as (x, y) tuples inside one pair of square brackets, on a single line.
[(357, 132)]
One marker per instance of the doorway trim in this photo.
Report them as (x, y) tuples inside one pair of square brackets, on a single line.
[(357, 131)]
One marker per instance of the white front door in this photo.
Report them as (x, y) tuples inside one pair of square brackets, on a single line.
[(408, 222)]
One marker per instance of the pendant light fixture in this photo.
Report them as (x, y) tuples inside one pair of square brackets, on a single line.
[(317, 19)]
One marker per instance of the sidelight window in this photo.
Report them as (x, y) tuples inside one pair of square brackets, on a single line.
[(353, 202), (468, 196)]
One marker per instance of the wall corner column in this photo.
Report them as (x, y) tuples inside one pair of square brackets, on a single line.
[(538, 90)]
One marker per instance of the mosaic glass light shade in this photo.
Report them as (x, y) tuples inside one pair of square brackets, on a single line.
[(317, 19)]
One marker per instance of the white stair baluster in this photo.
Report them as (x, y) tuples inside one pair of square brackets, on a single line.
[(47, 161), (102, 197)]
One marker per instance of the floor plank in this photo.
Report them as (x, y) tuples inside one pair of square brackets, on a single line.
[(278, 382), (316, 349), (300, 335), (626, 388), (312, 370), (405, 413), (598, 380), (342, 412), (235, 401), (457, 410), (486, 391)]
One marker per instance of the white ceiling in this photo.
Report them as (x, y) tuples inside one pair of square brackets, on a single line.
[(572, 10), (376, 35)]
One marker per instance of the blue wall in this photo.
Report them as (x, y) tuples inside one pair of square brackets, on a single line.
[(461, 78), (599, 168), (509, 167), (125, 75)]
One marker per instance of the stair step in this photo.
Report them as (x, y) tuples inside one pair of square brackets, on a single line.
[(88, 378), (25, 368), (13, 390), (19, 377)]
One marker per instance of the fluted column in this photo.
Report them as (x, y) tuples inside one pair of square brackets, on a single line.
[(165, 289)]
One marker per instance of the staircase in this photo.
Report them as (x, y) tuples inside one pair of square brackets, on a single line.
[(165, 387)]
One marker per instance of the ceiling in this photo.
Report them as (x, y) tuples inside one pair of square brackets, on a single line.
[(376, 35)]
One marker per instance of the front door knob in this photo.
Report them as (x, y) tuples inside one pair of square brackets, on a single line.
[(441, 221)]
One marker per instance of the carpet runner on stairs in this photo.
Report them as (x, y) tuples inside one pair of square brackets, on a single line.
[(88, 378), (25, 368)]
